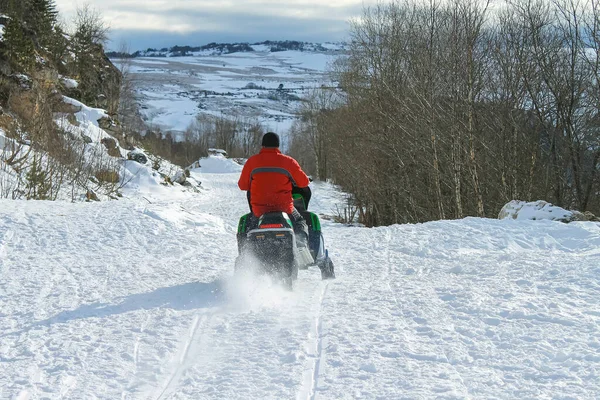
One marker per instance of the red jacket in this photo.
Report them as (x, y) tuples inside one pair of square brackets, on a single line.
[(268, 176)]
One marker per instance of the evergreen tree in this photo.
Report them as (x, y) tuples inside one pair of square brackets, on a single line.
[(19, 47), (13, 7), (87, 44), (41, 18), (4, 6), (58, 48)]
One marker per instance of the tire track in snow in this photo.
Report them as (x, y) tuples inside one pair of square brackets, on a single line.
[(197, 325), (316, 347)]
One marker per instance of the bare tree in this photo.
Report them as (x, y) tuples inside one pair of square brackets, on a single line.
[(450, 110)]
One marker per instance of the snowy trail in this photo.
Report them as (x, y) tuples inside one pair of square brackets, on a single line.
[(136, 300)]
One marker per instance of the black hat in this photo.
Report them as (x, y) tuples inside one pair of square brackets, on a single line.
[(270, 140)]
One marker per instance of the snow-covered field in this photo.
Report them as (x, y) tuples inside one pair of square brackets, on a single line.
[(135, 299), (174, 90)]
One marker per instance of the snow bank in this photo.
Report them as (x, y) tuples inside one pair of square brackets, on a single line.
[(87, 113), (88, 121), (137, 176), (218, 164), (536, 210)]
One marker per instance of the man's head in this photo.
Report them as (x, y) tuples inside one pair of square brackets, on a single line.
[(270, 139)]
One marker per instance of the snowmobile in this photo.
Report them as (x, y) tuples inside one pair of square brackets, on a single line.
[(278, 250)]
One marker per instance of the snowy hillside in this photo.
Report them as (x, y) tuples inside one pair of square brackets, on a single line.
[(134, 299), (100, 155), (243, 85)]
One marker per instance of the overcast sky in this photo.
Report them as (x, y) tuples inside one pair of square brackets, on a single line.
[(164, 23)]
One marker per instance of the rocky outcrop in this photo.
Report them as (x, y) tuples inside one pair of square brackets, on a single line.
[(111, 147), (542, 210), (65, 108), (137, 156), (91, 196), (109, 125), (180, 177), (107, 176), (585, 216)]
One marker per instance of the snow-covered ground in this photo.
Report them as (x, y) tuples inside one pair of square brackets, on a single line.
[(135, 299), (174, 90)]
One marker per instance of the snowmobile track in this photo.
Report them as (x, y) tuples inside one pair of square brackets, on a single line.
[(316, 348), (198, 325)]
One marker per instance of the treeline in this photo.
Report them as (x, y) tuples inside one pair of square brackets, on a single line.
[(182, 51), (239, 137), (451, 109), (223, 48)]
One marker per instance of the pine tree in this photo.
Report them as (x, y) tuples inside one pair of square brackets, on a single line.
[(4, 6), (13, 7), (87, 44), (19, 47), (41, 18), (58, 48)]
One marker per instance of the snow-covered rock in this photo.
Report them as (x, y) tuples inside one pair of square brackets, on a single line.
[(68, 82), (541, 210), (179, 177), (137, 155), (217, 152)]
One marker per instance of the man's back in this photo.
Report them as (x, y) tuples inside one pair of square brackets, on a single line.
[(269, 177)]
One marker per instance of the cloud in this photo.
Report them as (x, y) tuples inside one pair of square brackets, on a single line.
[(163, 23)]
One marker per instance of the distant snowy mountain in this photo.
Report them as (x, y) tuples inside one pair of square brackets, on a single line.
[(213, 49)]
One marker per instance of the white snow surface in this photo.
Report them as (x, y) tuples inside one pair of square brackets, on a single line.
[(135, 299)]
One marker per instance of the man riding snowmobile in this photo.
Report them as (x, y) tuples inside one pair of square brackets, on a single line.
[(269, 178)]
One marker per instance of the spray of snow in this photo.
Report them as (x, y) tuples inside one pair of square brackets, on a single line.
[(252, 291)]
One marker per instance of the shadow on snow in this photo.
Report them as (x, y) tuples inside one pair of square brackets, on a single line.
[(188, 296)]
